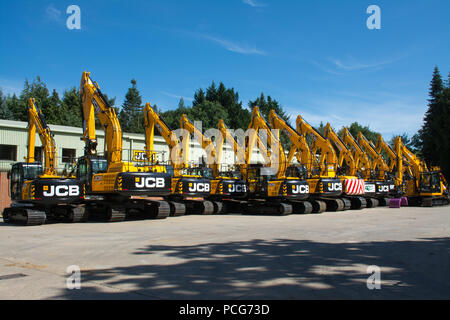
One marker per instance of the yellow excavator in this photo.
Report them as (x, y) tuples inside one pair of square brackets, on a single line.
[(375, 192), (190, 185), (426, 187), (329, 165), (115, 189), (400, 178), (384, 181), (37, 192), (271, 189), (225, 186), (325, 190)]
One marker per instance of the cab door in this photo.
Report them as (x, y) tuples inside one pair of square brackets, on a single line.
[(17, 179), (83, 173)]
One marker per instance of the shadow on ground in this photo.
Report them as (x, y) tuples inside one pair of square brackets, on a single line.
[(278, 269)]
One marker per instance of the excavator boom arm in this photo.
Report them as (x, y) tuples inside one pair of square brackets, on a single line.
[(36, 120), (95, 103)]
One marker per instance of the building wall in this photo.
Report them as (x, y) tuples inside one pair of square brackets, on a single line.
[(5, 200)]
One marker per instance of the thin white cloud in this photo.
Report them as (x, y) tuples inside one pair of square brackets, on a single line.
[(233, 47), (52, 13), (176, 96), (325, 68), (340, 67), (351, 64), (254, 4)]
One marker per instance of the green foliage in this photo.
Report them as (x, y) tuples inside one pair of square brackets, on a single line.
[(217, 103), (355, 128), (265, 105), (432, 125), (321, 128), (71, 106), (5, 113), (209, 113), (131, 116), (410, 142)]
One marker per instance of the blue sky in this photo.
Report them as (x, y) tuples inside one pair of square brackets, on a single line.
[(317, 58)]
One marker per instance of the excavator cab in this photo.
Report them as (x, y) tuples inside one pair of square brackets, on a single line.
[(88, 166), (298, 171), (430, 182), (21, 172), (262, 181)]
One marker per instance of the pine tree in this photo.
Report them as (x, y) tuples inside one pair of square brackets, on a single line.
[(443, 139), (131, 116), (221, 98), (5, 113), (265, 105), (181, 103), (431, 128), (71, 106)]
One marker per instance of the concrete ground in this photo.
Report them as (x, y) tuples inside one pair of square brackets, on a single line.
[(234, 257)]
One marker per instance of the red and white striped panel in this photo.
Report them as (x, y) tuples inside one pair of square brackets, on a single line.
[(354, 186)]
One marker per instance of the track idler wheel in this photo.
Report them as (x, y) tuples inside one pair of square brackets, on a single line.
[(358, 203), (372, 203), (318, 206), (177, 209), (302, 207), (335, 205), (159, 210), (76, 214), (218, 207), (6, 218), (201, 207), (284, 209), (347, 204), (382, 202), (115, 214), (35, 217)]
